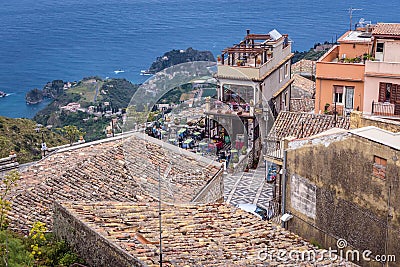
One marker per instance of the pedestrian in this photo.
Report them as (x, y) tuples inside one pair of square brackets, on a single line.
[(228, 158)]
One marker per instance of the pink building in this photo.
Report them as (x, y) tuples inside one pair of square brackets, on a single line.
[(382, 75)]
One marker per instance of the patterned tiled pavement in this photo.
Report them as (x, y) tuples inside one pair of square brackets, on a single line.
[(248, 187)]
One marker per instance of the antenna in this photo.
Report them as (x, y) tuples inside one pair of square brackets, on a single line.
[(362, 22), (350, 10)]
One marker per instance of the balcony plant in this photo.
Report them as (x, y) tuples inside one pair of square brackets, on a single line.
[(244, 150), (235, 158), (368, 57)]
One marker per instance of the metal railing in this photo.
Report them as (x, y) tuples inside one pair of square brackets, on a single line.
[(274, 149), (385, 109)]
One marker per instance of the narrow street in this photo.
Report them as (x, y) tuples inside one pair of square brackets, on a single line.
[(248, 187)]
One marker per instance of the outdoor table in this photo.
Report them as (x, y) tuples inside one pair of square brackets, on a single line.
[(172, 140), (187, 143), (197, 135)]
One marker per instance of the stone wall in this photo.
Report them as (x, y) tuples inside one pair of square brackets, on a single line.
[(350, 202), (89, 245), (357, 120), (213, 191)]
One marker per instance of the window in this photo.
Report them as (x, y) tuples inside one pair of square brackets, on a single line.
[(379, 47), (280, 74), (338, 94), (389, 92), (286, 69), (349, 101), (379, 167)]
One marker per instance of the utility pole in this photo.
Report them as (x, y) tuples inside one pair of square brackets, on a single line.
[(350, 10), (159, 212)]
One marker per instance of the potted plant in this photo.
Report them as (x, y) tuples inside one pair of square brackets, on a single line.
[(327, 105), (258, 61), (235, 159), (244, 150)]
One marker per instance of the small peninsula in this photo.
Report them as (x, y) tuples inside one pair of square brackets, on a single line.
[(175, 57)]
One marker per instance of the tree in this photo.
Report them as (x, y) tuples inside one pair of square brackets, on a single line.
[(72, 133)]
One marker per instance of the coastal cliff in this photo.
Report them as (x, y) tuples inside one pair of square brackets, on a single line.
[(175, 57), (50, 90)]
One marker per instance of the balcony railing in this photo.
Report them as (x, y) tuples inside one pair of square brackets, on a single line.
[(339, 110), (385, 109), (274, 149)]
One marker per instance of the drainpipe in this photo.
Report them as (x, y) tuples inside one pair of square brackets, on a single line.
[(283, 206)]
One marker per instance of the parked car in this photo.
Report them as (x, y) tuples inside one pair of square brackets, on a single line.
[(264, 214)]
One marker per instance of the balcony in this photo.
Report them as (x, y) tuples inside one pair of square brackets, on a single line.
[(340, 71), (332, 68), (251, 63), (379, 68), (385, 109), (229, 109)]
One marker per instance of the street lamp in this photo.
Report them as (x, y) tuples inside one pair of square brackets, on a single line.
[(44, 147)]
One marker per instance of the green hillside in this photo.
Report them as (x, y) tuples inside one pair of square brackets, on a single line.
[(20, 135)]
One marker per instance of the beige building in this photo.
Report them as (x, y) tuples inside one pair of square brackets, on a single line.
[(382, 76), (254, 81)]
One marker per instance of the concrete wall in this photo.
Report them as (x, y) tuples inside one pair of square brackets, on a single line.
[(91, 246), (350, 202), (391, 50), (352, 50)]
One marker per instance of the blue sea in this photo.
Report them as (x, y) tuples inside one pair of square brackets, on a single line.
[(44, 40)]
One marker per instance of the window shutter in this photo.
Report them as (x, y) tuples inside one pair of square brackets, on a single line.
[(395, 93), (382, 92), (337, 89)]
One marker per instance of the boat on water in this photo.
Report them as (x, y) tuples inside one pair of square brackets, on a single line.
[(145, 72), (118, 71), (2, 94)]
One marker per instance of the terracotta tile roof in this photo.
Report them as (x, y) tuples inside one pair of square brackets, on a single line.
[(106, 171), (392, 29), (193, 235), (8, 163), (303, 66), (300, 125), (302, 86), (302, 104)]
